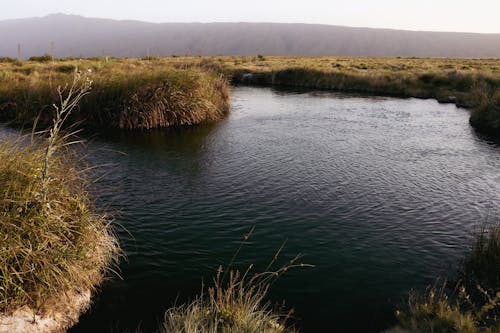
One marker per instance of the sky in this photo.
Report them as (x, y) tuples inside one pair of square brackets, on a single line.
[(431, 15)]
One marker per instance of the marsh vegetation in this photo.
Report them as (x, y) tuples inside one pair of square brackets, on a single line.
[(127, 94), (58, 239), (56, 245), (171, 91)]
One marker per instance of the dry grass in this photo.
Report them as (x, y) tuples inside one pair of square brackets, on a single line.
[(444, 311), (53, 240), (235, 303), (49, 245), (141, 88), (237, 306), (127, 94)]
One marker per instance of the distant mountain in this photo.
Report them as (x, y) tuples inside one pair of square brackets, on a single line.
[(70, 35)]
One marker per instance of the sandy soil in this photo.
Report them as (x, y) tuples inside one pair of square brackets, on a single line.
[(54, 318)]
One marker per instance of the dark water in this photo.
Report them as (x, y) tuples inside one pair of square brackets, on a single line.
[(380, 194)]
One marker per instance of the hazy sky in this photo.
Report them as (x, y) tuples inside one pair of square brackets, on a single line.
[(438, 15)]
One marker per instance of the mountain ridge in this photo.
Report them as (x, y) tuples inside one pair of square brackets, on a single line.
[(78, 36)]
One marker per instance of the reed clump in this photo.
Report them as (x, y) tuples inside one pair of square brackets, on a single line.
[(156, 100), (53, 239), (237, 306), (471, 83), (127, 94)]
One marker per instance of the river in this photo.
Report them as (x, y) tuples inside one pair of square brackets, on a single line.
[(381, 195)]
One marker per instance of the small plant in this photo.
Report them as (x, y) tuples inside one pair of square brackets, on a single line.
[(236, 303), (69, 98)]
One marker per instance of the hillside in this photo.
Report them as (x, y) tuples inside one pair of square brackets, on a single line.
[(70, 35)]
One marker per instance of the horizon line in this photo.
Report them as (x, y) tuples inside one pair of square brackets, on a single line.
[(245, 22)]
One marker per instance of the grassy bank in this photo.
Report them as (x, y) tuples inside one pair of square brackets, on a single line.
[(474, 84), (56, 247), (52, 243), (127, 94), (471, 83), (159, 92)]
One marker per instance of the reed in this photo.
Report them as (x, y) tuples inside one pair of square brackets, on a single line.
[(236, 306), (471, 83), (54, 240), (139, 94)]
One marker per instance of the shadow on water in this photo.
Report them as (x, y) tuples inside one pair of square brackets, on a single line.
[(184, 139)]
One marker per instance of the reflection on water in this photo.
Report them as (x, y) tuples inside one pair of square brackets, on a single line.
[(381, 194)]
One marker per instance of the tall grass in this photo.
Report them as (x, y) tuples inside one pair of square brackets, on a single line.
[(53, 239), (128, 95), (138, 93), (238, 305), (482, 265), (156, 100)]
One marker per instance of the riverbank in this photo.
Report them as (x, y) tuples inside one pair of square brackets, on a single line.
[(175, 91), (56, 246), (127, 94), (469, 83)]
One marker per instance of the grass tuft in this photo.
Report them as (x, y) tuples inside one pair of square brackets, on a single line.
[(235, 303), (53, 240), (236, 306)]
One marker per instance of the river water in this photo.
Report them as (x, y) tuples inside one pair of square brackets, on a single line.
[(381, 195)]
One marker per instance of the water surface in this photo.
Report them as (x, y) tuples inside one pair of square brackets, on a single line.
[(380, 194)]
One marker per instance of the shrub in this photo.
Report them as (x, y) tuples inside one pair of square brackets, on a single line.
[(7, 59), (66, 68), (43, 58)]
